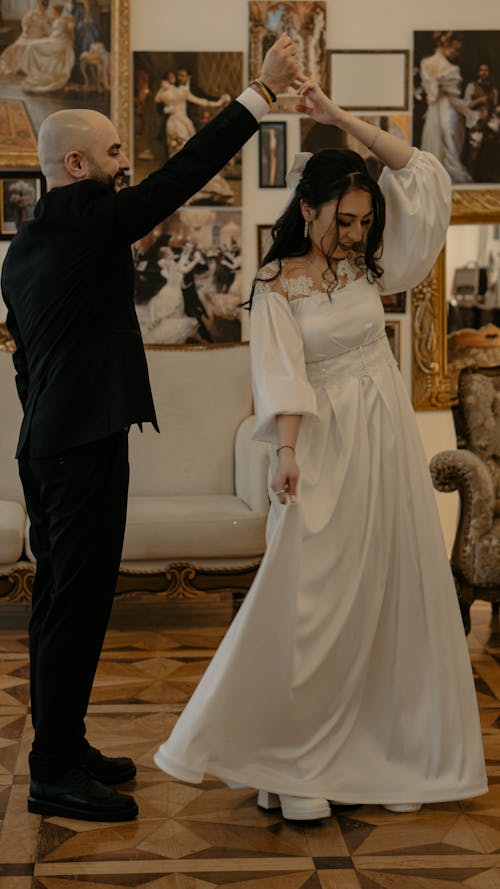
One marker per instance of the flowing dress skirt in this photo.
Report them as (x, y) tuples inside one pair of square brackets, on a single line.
[(345, 673)]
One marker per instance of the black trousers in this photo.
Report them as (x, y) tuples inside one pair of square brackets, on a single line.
[(77, 504)]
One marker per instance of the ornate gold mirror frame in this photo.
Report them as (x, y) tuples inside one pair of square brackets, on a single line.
[(430, 378)]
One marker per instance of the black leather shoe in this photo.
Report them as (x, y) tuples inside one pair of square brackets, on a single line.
[(76, 795), (108, 769)]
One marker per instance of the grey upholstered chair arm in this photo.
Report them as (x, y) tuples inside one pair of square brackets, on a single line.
[(461, 470)]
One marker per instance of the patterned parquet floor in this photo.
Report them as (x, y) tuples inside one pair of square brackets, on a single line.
[(208, 836)]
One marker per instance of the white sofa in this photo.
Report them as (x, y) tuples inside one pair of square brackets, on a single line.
[(198, 491)]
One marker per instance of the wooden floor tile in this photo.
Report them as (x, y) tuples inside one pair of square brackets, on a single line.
[(207, 836), (20, 830), (339, 879), (13, 882), (217, 880)]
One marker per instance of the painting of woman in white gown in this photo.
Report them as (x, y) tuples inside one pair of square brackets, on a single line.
[(48, 61), (450, 118), (55, 55)]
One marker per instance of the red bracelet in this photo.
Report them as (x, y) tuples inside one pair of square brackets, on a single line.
[(292, 448)]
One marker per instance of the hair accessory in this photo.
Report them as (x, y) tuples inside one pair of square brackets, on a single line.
[(306, 228), (294, 174)]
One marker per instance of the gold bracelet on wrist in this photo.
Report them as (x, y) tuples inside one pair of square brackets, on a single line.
[(292, 448), (265, 91)]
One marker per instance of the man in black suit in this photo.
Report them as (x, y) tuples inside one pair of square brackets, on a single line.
[(82, 379)]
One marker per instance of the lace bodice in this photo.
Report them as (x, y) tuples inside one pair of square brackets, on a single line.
[(299, 278)]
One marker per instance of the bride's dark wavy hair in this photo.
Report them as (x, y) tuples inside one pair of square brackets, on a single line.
[(328, 175)]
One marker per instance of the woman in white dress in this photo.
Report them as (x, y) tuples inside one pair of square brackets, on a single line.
[(447, 114), (34, 24), (48, 62), (163, 319), (345, 675)]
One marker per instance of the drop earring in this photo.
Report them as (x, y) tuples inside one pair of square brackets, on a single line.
[(306, 228)]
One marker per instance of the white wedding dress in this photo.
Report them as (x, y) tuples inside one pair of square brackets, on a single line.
[(48, 62), (163, 319), (345, 675), (447, 115)]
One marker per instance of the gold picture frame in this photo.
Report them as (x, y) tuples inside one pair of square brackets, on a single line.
[(431, 388), (120, 89), (121, 70)]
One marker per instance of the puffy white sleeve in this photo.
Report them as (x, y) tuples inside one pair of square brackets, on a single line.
[(279, 381), (418, 207)]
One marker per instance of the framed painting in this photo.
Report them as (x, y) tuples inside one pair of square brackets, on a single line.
[(364, 79), (394, 303), (263, 241), (272, 154), (456, 107), (175, 95), (60, 55), (306, 25), (188, 278), (19, 192), (315, 136), (393, 332)]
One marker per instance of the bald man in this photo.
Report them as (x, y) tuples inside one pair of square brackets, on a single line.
[(82, 379)]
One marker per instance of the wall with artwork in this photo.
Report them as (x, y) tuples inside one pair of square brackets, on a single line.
[(362, 27), (186, 61)]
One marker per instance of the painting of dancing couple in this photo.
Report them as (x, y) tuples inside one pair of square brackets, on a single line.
[(188, 269), (188, 278), (52, 56), (456, 112)]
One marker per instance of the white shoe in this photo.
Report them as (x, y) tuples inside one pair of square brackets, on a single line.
[(295, 808), (403, 807)]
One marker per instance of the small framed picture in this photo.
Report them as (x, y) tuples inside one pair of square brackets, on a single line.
[(392, 329), (272, 154), (394, 303), (263, 242), (364, 79), (19, 192)]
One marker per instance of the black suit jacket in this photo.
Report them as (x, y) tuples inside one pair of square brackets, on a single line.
[(68, 282)]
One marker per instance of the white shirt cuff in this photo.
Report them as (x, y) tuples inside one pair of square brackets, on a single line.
[(254, 103)]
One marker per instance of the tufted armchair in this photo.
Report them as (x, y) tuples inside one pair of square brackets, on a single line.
[(474, 470)]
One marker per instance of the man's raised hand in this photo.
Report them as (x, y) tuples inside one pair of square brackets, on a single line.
[(280, 67)]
